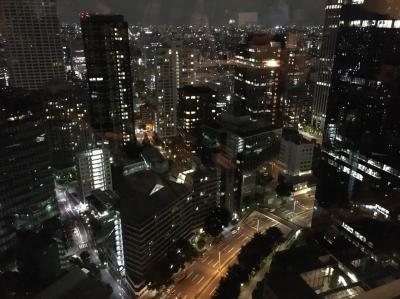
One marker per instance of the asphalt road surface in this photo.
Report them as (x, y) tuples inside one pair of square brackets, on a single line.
[(203, 275)]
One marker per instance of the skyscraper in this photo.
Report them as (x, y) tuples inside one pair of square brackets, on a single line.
[(3, 63), (106, 44), (66, 113), (26, 181), (297, 96), (33, 44), (168, 81), (155, 214), (247, 145), (361, 148), (259, 78), (197, 107), (327, 52)]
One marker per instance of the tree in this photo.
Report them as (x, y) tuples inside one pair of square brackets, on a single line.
[(95, 225), (212, 226), (159, 274), (239, 273), (284, 189), (249, 260), (217, 218), (229, 287), (85, 257), (94, 270), (275, 234), (223, 215), (201, 243)]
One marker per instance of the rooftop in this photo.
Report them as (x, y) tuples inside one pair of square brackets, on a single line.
[(144, 194), (244, 127), (294, 136), (19, 104), (75, 284)]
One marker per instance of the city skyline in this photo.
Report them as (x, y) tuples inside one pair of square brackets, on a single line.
[(200, 150), (218, 12)]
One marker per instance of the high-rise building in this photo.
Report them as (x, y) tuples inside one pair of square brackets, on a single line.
[(168, 81), (66, 113), (4, 78), (361, 148), (190, 60), (94, 171), (205, 184), (326, 57), (155, 214), (106, 43), (247, 146), (297, 96), (197, 107), (259, 81), (33, 45), (147, 116), (26, 182)]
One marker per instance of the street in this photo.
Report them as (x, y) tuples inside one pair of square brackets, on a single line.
[(69, 214), (203, 275), (298, 210), (82, 239)]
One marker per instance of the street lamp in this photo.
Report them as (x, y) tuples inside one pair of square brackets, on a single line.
[(219, 260)]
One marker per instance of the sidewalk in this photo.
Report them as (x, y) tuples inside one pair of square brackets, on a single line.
[(248, 289)]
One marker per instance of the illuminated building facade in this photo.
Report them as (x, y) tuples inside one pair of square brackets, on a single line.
[(197, 107), (204, 182), (259, 79), (248, 145), (33, 49), (297, 99), (168, 81), (296, 153), (66, 114), (190, 60), (147, 116), (155, 214), (4, 78), (327, 52), (26, 182), (107, 55), (362, 132), (94, 171)]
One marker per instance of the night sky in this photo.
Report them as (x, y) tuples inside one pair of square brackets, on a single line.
[(144, 12)]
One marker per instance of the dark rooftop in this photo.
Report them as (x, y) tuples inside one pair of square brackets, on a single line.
[(144, 194), (244, 127), (197, 89), (103, 200), (294, 136), (100, 18), (298, 260), (19, 104)]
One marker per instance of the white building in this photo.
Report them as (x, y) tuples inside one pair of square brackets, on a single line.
[(94, 171), (296, 154)]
